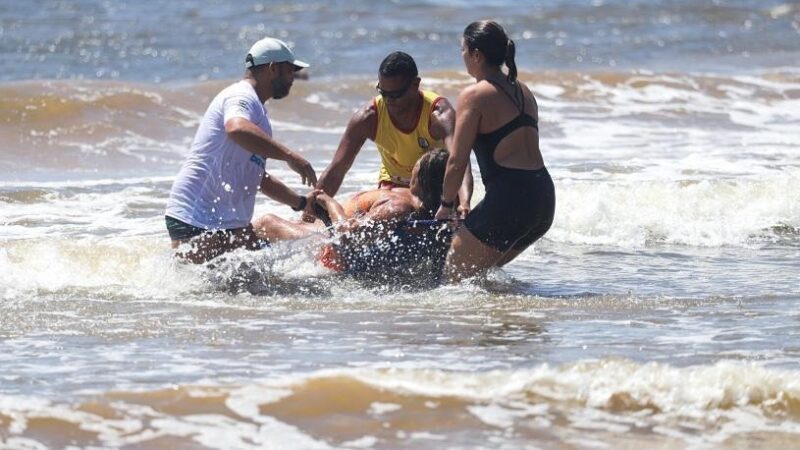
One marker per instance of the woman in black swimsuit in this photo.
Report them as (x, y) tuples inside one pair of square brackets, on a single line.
[(498, 118)]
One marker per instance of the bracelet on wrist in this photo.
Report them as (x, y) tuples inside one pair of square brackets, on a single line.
[(302, 205), (448, 205)]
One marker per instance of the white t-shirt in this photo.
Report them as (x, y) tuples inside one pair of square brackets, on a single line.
[(217, 185)]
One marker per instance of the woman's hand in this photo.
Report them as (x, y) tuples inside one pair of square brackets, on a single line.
[(463, 210), (323, 199), (443, 213)]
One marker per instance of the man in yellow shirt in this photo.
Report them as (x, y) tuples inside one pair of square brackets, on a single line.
[(404, 122)]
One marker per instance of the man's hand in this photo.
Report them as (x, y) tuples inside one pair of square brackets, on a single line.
[(311, 199), (303, 168)]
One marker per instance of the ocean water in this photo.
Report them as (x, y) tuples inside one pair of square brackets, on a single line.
[(662, 310)]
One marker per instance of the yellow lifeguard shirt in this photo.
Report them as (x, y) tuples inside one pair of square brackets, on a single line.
[(400, 149)]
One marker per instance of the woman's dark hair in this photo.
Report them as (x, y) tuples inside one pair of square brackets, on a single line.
[(491, 39), (431, 179), (398, 64)]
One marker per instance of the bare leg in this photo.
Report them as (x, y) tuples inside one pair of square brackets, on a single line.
[(208, 246), (513, 253), (508, 257), (274, 228), (468, 256)]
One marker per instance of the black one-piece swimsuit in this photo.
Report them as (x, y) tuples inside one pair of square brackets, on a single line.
[(519, 204)]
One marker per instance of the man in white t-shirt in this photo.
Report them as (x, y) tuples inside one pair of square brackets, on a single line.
[(212, 199)]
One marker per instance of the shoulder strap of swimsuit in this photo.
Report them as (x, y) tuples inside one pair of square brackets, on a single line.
[(513, 98)]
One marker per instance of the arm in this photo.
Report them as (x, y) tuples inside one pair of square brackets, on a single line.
[(443, 123), (253, 139), (465, 191), (360, 128), (383, 210), (467, 121), (335, 209), (276, 190)]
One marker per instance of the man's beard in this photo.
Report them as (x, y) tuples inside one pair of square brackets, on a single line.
[(280, 88)]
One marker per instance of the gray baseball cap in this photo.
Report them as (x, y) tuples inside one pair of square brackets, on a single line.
[(269, 50)]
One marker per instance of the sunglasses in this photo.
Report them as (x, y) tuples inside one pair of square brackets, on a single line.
[(393, 94)]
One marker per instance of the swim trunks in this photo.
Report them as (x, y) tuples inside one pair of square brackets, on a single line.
[(182, 231)]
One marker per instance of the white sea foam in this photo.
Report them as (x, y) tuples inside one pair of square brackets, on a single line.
[(638, 213), (134, 145), (85, 183), (140, 266), (696, 405), (696, 390), (378, 408), (324, 100), (362, 442), (651, 123), (293, 126)]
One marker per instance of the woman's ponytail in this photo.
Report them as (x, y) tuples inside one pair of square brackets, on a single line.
[(511, 50)]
